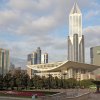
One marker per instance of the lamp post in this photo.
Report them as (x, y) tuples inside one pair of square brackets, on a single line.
[(64, 74), (49, 82)]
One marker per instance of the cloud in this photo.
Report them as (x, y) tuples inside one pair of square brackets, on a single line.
[(8, 17), (17, 17), (91, 14), (37, 26), (30, 5)]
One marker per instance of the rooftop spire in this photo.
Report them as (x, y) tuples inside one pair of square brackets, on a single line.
[(75, 9)]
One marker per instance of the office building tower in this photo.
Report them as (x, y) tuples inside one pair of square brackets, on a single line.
[(95, 55), (29, 59), (38, 51), (75, 38), (4, 61), (32, 58), (37, 57), (44, 58)]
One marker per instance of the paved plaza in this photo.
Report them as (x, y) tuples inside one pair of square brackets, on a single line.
[(94, 96)]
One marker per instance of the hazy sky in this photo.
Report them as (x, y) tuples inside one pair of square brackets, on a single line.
[(28, 24)]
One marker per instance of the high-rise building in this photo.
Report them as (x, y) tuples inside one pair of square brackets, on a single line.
[(4, 61), (95, 55), (37, 57), (44, 58), (75, 38), (29, 59), (32, 58), (38, 51)]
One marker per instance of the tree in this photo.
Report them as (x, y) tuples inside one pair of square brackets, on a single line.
[(12, 82), (86, 83), (72, 83), (18, 78), (6, 80), (36, 79), (1, 82), (25, 80)]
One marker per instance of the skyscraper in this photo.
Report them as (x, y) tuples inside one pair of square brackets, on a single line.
[(32, 58), (37, 57), (75, 38), (4, 61), (44, 58), (38, 51), (95, 55)]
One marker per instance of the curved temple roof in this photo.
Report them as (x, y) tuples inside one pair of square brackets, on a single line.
[(62, 66)]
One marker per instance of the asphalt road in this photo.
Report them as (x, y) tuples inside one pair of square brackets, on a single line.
[(13, 98)]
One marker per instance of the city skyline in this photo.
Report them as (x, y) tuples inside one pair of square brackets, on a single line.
[(26, 25)]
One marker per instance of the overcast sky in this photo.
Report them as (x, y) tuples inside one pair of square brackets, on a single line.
[(28, 24)]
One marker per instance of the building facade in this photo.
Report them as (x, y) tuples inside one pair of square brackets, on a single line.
[(95, 55), (75, 38), (4, 61)]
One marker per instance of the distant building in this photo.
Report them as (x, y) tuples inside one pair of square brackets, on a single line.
[(37, 57), (75, 38), (38, 51), (95, 58), (95, 55), (4, 61), (12, 66), (29, 59), (44, 58), (32, 58), (16, 70)]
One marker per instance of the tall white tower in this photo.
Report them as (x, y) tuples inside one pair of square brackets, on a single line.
[(75, 38)]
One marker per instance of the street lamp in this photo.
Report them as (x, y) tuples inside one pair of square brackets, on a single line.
[(49, 82), (64, 74)]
